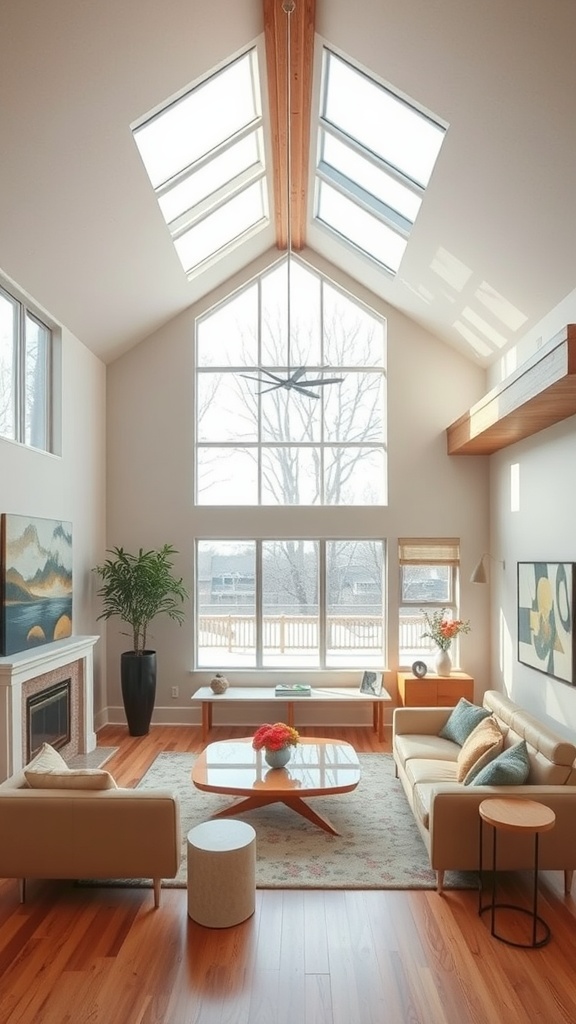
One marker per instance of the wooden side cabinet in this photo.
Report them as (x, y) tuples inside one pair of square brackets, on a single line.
[(433, 690)]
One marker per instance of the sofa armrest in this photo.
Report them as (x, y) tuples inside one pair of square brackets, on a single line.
[(421, 721), (454, 823), (118, 833)]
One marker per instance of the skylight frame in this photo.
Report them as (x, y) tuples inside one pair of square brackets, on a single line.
[(181, 218), (393, 210)]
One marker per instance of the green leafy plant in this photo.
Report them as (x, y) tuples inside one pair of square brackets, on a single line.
[(139, 587)]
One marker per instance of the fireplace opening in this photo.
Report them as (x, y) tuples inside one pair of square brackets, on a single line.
[(48, 718)]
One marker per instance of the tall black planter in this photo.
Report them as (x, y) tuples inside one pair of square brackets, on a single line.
[(138, 678)]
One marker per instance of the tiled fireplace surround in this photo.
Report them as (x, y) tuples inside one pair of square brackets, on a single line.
[(30, 672)]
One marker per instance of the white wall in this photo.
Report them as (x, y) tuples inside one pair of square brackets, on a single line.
[(534, 524), (538, 526), (534, 339), (71, 486), (150, 484)]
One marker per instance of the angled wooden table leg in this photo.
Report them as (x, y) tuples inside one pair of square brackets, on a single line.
[(301, 807), (296, 803)]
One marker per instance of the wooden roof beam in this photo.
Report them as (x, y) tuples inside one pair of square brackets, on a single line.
[(302, 22)]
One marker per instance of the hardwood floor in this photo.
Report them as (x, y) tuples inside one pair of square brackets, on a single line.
[(105, 956)]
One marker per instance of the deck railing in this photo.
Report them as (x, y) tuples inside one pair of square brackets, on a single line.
[(300, 632)]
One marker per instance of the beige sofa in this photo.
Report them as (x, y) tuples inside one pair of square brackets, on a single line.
[(78, 833), (446, 811)]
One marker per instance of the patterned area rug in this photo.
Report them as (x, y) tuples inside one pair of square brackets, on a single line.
[(379, 846)]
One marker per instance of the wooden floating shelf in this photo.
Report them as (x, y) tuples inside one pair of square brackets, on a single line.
[(540, 393)]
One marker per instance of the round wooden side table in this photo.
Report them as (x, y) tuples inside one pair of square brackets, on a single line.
[(513, 814)]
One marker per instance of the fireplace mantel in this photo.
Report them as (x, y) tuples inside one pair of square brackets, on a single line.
[(17, 669)]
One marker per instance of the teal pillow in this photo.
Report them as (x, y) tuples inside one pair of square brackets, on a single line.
[(464, 718), (510, 768)]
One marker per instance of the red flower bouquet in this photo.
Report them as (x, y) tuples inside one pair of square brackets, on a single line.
[(442, 629), (275, 737)]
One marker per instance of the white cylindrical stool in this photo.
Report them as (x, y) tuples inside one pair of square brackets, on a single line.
[(221, 872)]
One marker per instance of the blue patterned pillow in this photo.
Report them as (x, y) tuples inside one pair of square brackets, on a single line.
[(464, 718), (510, 768)]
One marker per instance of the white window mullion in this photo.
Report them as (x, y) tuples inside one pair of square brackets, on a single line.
[(259, 608), (322, 624), (21, 376)]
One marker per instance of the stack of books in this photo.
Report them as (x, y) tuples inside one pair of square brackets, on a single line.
[(293, 690)]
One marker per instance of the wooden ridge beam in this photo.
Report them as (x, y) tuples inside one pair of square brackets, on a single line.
[(302, 21)]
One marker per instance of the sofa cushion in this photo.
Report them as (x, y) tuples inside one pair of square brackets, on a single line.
[(420, 770), (510, 768), (407, 745), (464, 718), (69, 778), (46, 759), (481, 746)]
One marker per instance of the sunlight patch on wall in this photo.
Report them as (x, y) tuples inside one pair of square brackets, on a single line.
[(451, 269), (497, 339), (478, 344), (505, 312), (515, 487)]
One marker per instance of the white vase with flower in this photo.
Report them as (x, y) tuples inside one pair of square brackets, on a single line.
[(442, 629)]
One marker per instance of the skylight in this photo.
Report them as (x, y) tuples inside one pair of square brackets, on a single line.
[(376, 155), (204, 155)]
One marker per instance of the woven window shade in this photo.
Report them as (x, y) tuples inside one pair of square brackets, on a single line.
[(429, 550)]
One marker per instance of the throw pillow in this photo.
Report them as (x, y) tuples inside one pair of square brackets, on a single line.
[(464, 718), (510, 768), (46, 759), (69, 778), (481, 746)]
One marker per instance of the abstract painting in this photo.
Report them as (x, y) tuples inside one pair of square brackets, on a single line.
[(35, 582), (546, 617)]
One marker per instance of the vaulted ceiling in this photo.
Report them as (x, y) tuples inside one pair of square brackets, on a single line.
[(492, 250)]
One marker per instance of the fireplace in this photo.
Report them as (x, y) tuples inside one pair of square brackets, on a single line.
[(48, 718), (30, 673)]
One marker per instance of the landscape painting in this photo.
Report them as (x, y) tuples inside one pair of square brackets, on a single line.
[(546, 618), (36, 582)]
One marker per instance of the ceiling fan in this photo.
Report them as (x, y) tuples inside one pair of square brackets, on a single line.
[(295, 378)]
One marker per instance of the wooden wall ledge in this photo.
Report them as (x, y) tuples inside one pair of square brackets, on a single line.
[(540, 393)]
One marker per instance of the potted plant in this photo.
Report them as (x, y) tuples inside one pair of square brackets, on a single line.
[(137, 588)]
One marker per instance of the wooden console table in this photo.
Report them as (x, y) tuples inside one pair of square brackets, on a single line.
[(433, 690), (285, 706)]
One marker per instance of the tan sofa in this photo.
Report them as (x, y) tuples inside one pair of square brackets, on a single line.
[(105, 833), (446, 811)]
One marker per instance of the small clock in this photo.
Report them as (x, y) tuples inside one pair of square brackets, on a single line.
[(419, 669)]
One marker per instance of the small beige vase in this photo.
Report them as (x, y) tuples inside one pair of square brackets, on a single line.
[(219, 683)]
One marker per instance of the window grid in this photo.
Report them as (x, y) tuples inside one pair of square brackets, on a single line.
[(254, 423), (356, 614), (195, 181), (384, 168), (26, 382), (429, 573)]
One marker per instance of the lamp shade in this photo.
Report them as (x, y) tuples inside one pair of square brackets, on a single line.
[(479, 574)]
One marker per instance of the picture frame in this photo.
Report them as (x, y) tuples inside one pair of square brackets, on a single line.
[(35, 582), (546, 618), (371, 683)]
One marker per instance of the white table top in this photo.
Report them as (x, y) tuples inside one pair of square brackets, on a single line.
[(319, 693)]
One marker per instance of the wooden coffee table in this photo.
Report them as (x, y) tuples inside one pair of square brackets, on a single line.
[(318, 767)]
